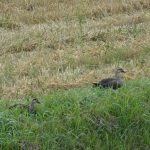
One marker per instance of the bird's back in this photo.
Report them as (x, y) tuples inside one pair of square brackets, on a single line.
[(106, 81), (109, 82), (18, 105)]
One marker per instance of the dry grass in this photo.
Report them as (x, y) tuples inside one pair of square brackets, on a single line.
[(47, 45)]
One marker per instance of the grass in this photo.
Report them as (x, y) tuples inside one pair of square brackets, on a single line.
[(8, 24), (81, 118), (54, 50)]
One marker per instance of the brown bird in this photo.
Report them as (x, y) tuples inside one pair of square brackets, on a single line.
[(31, 107), (114, 83)]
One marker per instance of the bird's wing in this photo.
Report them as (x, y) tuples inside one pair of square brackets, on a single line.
[(106, 81), (103, 82), (95, 84), (112, 83)]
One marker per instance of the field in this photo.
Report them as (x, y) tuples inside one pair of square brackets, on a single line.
[(54, 50)]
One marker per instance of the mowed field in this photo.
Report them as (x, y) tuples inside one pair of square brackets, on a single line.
[(54, 50), (60, 44)]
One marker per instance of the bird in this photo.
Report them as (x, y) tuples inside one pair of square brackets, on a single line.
[(113, 83), (30, 108)]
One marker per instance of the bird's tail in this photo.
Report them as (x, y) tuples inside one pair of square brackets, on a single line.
[(95, 84)]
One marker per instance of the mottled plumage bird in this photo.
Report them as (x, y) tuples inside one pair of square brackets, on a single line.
[(114, 83), (31, 107)]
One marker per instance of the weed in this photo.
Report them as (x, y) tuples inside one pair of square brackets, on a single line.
[(81, 19)]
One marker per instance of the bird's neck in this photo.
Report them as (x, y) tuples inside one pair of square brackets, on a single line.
[(32, 105), (117, 75)]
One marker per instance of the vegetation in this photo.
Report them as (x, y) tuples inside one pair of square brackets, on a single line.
[(82, 118), (54, 50)]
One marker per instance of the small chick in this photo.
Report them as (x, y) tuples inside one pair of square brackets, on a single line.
[(31, 107)]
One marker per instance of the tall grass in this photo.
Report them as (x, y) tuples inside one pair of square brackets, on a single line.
[(81, 118)]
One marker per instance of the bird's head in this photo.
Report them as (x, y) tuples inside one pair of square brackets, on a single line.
[(35, 100), (120, 70)]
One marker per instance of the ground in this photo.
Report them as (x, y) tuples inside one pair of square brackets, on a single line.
[(54, 50)]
